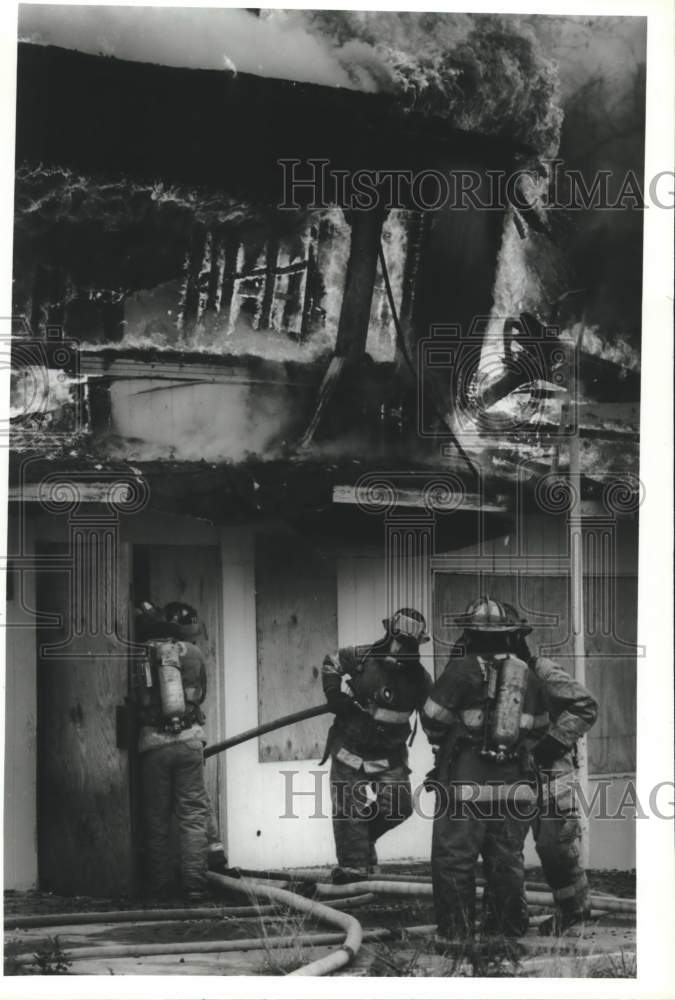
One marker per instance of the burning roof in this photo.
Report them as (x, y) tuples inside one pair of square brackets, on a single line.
[(208, 129), (150, 230), (484, 74)]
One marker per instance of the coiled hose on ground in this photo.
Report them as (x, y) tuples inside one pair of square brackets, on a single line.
[(412, 888), (349, 925), (323, 966)]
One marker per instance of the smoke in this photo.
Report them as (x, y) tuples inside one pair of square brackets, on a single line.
[(207, 38), (38, 392), (484, 73), (231, 422), (601, 63), (601, 66), (481, 73), (144, 334)]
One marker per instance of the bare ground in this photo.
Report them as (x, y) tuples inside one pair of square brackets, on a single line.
[(606, 947)]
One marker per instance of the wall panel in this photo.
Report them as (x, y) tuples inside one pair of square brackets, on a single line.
[(296, 621)]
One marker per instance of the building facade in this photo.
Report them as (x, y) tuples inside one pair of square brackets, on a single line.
[(292, 422)]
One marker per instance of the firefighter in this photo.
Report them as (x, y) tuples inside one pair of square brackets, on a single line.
[(171, 742), (556, 827), (487, 716), (373, 691)]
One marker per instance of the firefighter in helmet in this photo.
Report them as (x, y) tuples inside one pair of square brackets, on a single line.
[(488, 718), (556, 827), (373, 691), (171, 686)]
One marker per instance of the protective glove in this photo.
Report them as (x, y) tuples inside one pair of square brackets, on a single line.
[(548, 750)]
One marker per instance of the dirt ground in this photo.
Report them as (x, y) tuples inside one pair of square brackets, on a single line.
[(605, 947)]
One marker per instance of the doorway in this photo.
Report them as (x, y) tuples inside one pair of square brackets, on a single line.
[(191, 573)]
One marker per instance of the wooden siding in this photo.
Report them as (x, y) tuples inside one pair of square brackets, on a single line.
[(84, 832), (20, 798), (296, 621)]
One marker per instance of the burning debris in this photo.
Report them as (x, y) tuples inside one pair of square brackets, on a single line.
[(213, 271), (617, 350), (210, 274), (43, 397)]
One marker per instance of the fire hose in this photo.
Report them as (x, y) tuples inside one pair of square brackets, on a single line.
[(338, 959), (267, 727), (325, 913), (344, 921), (608, 904)]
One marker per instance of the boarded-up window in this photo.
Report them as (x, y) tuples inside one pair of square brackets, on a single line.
[(296, 617), (610, 654)]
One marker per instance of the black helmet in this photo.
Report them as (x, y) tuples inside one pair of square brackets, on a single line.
[(407, 623), (523, 628), (150, 621), (183, 620), (487, 615)]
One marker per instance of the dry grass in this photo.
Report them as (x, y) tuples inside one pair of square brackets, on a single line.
[(280, 961)]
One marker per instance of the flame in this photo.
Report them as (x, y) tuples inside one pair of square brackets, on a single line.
[(484, 72), (154, 320), (617, 349)]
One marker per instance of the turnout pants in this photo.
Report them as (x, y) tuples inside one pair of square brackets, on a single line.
[(173, 781), (557, 837), (365, 806), (459, 836)]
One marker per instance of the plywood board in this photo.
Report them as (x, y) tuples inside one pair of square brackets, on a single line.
[(296, 619), (84, 839), (20, 799)]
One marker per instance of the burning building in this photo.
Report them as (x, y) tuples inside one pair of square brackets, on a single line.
[(241, 390)]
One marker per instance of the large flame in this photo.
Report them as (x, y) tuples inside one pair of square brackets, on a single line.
[(483, 73)]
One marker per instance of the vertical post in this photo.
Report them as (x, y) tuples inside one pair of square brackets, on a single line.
[(359, 282), (352, 332), (576, 546)]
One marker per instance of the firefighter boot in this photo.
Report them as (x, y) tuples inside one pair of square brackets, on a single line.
[(216, 859), (343, 876)]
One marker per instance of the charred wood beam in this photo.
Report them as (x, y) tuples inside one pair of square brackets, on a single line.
[(357, 299), (359, 281), (326, 389)]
